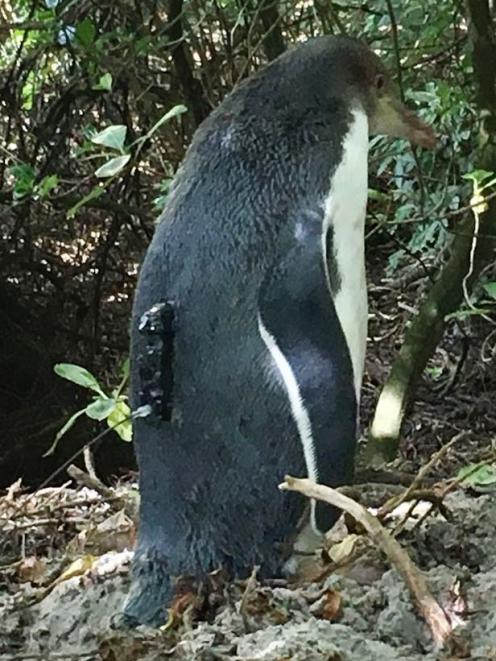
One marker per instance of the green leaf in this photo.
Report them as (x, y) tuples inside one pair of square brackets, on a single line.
[(62, 431), (93, 194), (100, 408), (47, 184), (173, 112), (477, 474), (112, 167), (78, 375), (434, 372), (85, 33), (104, 83), (478, 176), (125, 368), (24, 176), (112, 137), (490, 288), (120, 420), (377, 195)]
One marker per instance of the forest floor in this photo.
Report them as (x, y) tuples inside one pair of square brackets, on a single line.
[(64, 551)]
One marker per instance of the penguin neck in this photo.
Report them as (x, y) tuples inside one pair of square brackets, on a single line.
[(345, 208)]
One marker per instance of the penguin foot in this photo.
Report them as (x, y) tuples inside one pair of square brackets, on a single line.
[(149, 595)]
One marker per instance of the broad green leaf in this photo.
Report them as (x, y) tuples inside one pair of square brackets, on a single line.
[(100, 408), (120, 420), (377, 195), (112, 167), (85, 33), (112, 137), (78, 375), (490, 288), (47, 184), (62, 431), (104, 83), (477, 475), (24, 175)]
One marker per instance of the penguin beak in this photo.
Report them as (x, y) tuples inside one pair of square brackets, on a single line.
[(391, 117)]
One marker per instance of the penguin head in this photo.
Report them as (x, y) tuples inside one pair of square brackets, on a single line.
[(332, 70), (387, 114)]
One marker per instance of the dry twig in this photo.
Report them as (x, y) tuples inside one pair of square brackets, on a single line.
[(89, 481), (419, 478), (430, 610), (251, 585)]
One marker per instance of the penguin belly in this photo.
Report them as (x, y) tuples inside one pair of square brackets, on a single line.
[(343, 254), (344, 225)]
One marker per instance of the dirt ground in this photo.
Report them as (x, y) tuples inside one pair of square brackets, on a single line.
[(65, 551)]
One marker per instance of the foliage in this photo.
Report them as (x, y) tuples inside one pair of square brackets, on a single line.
[(93, 124), (477, 475), (113, 408)]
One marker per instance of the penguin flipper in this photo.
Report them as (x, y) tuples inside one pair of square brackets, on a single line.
[(300, 326)]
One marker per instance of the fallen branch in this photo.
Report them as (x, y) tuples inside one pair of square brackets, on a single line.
[(87, 480), (428, 607)]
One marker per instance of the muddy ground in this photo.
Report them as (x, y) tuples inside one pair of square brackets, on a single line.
[(65, 551), (359, 611)]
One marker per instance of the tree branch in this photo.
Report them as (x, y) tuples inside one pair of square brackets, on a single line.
[(192, 89), (273, 40)]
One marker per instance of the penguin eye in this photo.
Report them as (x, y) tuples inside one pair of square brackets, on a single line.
[(380, 82)]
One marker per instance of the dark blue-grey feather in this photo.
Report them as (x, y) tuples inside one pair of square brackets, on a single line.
[(209, 470)]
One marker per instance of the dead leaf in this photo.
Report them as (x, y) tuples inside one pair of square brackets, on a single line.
[(116, 533), (13, 490), (333, 606), (31, 570), (329, 606), (455, 606), (344, 550), (179, 606), (76, 568)]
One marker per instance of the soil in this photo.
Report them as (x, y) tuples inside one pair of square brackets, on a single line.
[(361, 611)]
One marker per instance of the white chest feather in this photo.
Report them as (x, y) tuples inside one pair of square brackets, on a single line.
[(345, 212)]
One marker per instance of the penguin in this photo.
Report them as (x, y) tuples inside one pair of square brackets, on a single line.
[(249, 322)]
